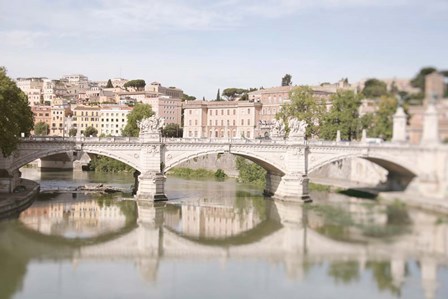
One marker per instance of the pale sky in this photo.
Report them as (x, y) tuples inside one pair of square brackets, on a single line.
[(203, 45)]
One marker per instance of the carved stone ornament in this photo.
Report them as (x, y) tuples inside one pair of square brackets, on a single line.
[(278, 128), (297, 128), (151, 125)]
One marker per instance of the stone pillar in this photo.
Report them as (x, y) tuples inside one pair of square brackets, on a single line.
[(151, 181), (399, 126), (430, 126), (364, 135), (338, 136), (293, 185)]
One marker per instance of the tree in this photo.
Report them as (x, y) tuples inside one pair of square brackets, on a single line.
[(139, 112), (72, 132), (304, 106), (90, 131), (41, 129), (109, 84), (186, 97), (381, 122), (172, 130), (16, 116), (286, 80), (419, 79), (218, 96), (233, 93), (343, 116), (374, 88), (138, 84)]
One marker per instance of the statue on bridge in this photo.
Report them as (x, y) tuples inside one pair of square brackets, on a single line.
[(297, 128), (150, 128), (151, 125), (278, 129)]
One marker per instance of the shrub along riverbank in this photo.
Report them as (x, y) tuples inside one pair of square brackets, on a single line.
[(199, 173)]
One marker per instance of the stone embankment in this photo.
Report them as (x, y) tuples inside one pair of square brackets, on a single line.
[(11, 204)]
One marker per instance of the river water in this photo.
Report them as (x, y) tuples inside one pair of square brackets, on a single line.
[(217, 240)]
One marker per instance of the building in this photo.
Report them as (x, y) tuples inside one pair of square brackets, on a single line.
[(86, 116), (32, 87), (222, 119), (57, 121), (42, 114), (80, 81), (113, 119), (172, 92), (168, 108), (435, 86)]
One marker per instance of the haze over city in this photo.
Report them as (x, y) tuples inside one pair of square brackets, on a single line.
[(201, 46)]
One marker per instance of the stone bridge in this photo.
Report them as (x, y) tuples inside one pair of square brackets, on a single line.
[(419, 169)]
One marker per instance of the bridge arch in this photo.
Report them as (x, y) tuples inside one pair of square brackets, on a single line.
[(28, 158), (267, 163), (400, 172)]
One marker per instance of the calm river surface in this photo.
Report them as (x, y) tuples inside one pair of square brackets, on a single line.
[(217, 240)]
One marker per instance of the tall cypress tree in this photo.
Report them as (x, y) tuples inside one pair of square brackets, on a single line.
[(218, 96)]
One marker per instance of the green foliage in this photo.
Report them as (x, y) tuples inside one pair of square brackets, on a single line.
[(419, 79), (16, 116), (41, 129), (286, 80), (72, 132), (344, 271), (250, 172), (218, 96), (304, 106), (382, 272), (318, 187), (189, 173), (233, 93), (186, 97), (381, 122), (220, 174), (109, 84), (172, 130), (90, 131), (397, 213), (106, 164), (374, 88), (138, 84), (343, 116), (139, 112)]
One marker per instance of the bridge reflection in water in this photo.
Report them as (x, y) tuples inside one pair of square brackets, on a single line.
[(344, 240)]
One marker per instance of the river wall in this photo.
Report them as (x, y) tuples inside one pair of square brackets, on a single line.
[(354, 170), (11, 204)]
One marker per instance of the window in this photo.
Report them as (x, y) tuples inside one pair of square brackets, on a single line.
[(210, 122), (195, 122), (248, 122), (234, 111), (248, 110), (234, 122), (222, 112), (242, 122)]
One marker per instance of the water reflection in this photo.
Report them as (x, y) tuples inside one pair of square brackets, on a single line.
[(351, 243)]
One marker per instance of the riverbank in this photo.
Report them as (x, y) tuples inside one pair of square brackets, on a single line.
[(426, 203), (11, 204)]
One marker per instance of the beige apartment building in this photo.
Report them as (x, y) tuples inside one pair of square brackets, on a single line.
[(42, 114), (172, 91), (113, 119), (222, 119), (32, 87), (168, 108), (57, 121), (86, 116)]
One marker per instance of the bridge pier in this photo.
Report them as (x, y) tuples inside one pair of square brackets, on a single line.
[(292, 187), (151, 186)]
